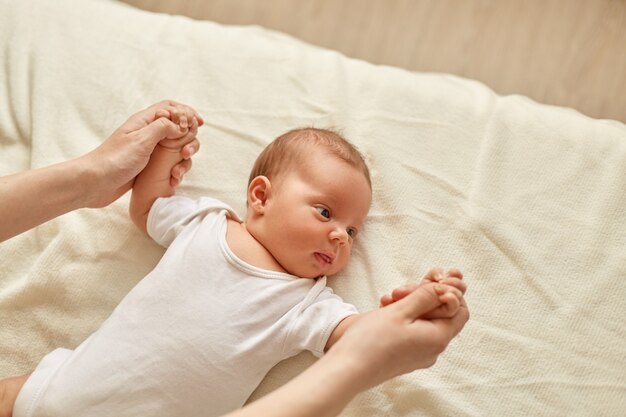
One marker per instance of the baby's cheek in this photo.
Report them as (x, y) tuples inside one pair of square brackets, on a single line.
[(343, 260)]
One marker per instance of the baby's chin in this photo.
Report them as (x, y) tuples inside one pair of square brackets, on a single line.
[(316, 275), (312, 272), (307, 274)]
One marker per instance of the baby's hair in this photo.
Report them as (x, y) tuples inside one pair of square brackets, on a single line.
[(290, 149)]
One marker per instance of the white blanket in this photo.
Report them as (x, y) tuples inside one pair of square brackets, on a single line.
[(529, 201)]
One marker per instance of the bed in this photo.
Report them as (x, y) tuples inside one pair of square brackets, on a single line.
[(528, 200)]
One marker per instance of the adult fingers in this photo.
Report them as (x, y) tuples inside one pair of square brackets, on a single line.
[(419, 302), (450, 327), (144, 117), (158, 130), (385, 300), (150, 114), (401, 292), (398, 294), (459, 320), (451, 303), (447, 310)]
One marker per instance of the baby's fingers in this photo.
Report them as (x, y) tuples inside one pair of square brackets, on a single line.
[(178, 171), (179, 114), (448, 291), (454, 273), (451, 300), (185, 139), (187, 111), (190, 149), (433, 275)]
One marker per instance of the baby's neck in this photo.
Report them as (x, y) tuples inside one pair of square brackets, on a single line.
[(248, 249)]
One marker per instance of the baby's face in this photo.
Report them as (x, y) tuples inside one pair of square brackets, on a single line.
[(314, 214)]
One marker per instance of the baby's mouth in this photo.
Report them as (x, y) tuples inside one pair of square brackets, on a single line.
[(324, 258)]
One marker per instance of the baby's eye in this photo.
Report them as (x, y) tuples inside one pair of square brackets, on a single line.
[(323, 211), (352, 232)]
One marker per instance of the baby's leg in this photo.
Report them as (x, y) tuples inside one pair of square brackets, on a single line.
[(9, 388)]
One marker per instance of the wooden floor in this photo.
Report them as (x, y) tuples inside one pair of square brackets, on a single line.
[(565, 52)]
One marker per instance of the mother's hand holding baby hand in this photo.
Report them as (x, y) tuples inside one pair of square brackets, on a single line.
[(397, 339), (451, 295), (117, 161), (185, 146)]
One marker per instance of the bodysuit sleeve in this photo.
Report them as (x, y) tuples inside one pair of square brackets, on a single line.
[(321, 312), (169, 216)]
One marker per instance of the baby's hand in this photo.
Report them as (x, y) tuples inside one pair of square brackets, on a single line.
[(186, 119), (187, 144), (451, 292)]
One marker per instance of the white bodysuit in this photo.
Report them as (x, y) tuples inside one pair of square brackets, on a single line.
[(195, 337)]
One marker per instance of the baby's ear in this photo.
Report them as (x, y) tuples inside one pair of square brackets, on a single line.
[(258, 193)]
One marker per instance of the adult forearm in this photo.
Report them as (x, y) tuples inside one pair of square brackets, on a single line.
[(323, 390), (30, 198)]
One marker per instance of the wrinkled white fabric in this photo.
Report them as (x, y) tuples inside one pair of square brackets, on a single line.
[(526, 199)]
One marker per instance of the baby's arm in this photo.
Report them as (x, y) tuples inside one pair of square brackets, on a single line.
[(450, 299), (158, 179)]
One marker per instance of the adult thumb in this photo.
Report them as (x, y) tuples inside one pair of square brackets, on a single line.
[(419, 302), (161, 128)]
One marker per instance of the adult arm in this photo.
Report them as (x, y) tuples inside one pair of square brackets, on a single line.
[(380, 345), (451, 291), (96, 179)]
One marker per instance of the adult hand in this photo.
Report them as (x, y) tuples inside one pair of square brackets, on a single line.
[(452, 278), (117, 161), (96, 179), (394, 340)]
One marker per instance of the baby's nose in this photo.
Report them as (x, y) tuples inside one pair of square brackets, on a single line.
[(339, 235)]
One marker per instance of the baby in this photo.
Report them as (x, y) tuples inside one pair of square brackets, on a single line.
[(231, 297)]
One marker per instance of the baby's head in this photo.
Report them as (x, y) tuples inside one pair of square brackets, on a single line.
[(308, 195), (291, 149)]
